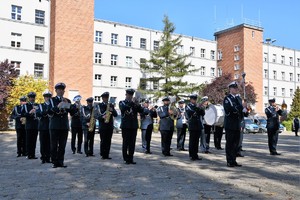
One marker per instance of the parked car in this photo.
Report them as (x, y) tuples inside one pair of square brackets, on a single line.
[(262, 124), (250, 127)]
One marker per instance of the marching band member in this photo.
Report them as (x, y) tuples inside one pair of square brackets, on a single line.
[(166, 126), (234, 113), (129, 125), (31, 125), (205, 139), (59, 125), (106, 114), (195, 126), (88, 126), (42, 114), (147, 125), (20, 127), (273, 124), (181, 126), (76, 125)]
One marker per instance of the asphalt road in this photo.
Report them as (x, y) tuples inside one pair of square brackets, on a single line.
[(262, 176)]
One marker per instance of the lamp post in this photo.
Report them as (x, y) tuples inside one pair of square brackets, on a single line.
[(244, 86), (269, 41)]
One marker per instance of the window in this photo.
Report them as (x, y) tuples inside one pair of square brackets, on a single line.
[(298, 77), (114, 38), (202, 71), (128, 82), (16, 12), (143, 61), (97, 98), (192, 51), (39, 43), (98, 37), (236, 66), (128, 41), (283, 92), (219, 72), (180, 49), (283, 76), (202, 53), (128, 61), (16, 39), (155, 85), (98, 79), (113, 81), (114, 59), (282, 60), (143, 43), (291, 77), (236, 48), (274, 58), (38, 70), (266, 90), (298, 62), (236, 76), (212, 55), (266, 57), (220, 55), (274, 75), (275, 91), (155, 45), (212, 71), (39, 16), (98, 57), (265, 73), (192, 68), (17, 66), (291, 61), (291, 92), (236, 57)]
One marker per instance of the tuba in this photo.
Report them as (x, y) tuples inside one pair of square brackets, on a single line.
[(92, 121)]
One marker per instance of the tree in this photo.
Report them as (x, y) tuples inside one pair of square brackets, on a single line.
[(7, 75), (218, 88), (295, 109), (166, 67), (22, 86)]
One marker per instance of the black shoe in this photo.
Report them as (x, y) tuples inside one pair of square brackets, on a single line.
[(31, 157), (219, 148), (73, 152), (237, 165), (196, 158), (132, 162), (275, 154), (148, 152), (168, 154), (105, 158), (91, 154), (62, 165), (19, 155), (230, 165), (43, 162), (48, 161), (239, 155), (207, 152), (54, 166), (127, 162), (86, 155), (79, 152)]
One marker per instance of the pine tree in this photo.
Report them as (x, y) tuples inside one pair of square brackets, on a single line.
[(166, 67), (295, 109)]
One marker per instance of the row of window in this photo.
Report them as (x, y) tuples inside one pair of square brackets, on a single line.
[(283, 92), (16, 14), (113, 81), (38, 68), (16, 39), (282, 60), (291, 75)]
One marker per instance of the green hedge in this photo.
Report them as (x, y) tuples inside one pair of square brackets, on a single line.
[(288, 125)]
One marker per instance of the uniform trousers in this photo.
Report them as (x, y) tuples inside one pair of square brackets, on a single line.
[(207, 130), (45, 145), (21, 141), (58, 140), (105, 142), (194, 143), (128, 146), (231, 147), (76, 131), (166, 140), (181, 133), (31, 137), (272, 139), (218, 136), (88, 142)]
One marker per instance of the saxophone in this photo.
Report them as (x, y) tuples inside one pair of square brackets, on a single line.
[(107, 114), (92, 121), (173, 108)]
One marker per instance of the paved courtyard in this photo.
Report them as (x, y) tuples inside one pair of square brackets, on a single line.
[(154, 176)]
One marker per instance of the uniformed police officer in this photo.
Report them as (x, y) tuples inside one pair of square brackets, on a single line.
[(31, 125), (273, 124), (20, 127), (194, 114), (76, 125), (88, 115), (147, 125), (166, 126), (234, 112), (181, 126), (58, 110), (106, 114), (129, 124), (42, 114)]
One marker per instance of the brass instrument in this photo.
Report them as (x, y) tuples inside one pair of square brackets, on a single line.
[(92, 121), (23, 120), (173, 108), (107, 114)]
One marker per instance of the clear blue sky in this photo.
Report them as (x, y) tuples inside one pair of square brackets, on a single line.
[(201, 18)]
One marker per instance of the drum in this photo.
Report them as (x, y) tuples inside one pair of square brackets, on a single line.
[(214, 115)]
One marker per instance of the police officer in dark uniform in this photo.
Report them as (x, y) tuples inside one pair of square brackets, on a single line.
[(234, 112), (129, 124), (166, 126), (273, 124), (42, 114), (88, 116), (76, 125), (58, 110), (147, 125), (106, 113), (31, 125), (181, 126), (194, 114), (20, 128)]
